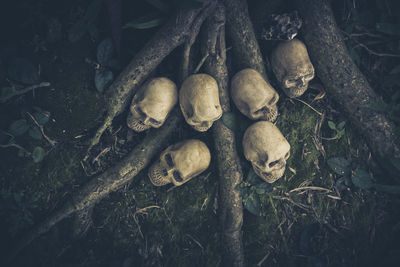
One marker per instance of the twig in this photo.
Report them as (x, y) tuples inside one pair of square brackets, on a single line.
[(334, 197), (316, 137), (203, 59), (52, 142), (368, 49), (186, 60), (317, 188), (104, 151), (302, 206), (195, 241), (17, 146), (376, 53), (263, 259), (308, 105), (25, 90), (142, 211)]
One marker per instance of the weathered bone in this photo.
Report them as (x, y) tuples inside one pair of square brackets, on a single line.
[(152, 104), (267, 150), (180, 162), (292, 67), (253, 96)]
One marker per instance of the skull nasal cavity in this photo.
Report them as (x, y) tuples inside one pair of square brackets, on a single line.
[(272, 164), (177, 176), (169, 161)]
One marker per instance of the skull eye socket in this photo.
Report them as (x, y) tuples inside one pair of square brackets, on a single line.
[(140, 112), (309, 76), (177, 176), (155, 122), (169, 161), (262, 110), (273, 100), (272, 164), (290, 82)]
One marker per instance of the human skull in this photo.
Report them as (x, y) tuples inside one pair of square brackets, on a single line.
[(199, 101), (292, 67), (180, 162), (254, 96), (267, 150), (152, 103)]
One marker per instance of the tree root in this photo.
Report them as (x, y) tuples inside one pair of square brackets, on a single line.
[(182, 28), (111, 180), (242, 37), (342, 79), (229, 169)]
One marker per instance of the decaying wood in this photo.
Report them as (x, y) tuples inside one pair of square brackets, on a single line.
[(230, 173), (343, 80), (111, 180), (241, 34), (180, 29)]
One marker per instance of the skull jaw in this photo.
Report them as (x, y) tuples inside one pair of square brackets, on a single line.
[(269, 115), (270, 177), (135, 124), (201, 128), (296, 91), (156, 175)]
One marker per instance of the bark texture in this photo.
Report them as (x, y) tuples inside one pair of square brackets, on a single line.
[(242, 37), (182, 28), (342, 79), (111, 180), (229, 169)]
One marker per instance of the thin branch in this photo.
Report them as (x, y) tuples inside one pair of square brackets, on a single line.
[(25, 90), (376, 53), (367, 48), (17, 146), (51, 142), (317, 188), (308, 105)]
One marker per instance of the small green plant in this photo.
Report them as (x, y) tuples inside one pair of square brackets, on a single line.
[(250, 191), (358, 176), (23, 127), (338, 129)]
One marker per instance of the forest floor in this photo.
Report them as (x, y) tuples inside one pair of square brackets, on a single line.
[(318, 214)]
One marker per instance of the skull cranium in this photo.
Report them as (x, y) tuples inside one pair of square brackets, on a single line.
[(292, 67), (199, 101), (180, 162), (152, 103), (253, 96), (267, 150)]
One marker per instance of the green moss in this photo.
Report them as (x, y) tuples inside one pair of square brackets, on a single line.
[(175, 221), (286, 215)]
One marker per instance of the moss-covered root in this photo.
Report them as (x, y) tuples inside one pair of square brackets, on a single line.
[(107, 182), (242, 37), (341, 77), (229, 169), (175, 32)]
